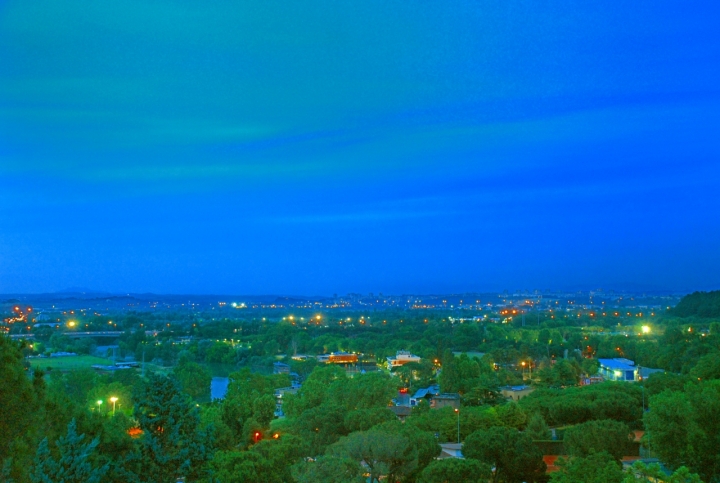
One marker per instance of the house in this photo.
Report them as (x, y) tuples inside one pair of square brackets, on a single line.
[(515, 393), (447, 399), (401, 358), (342, 358), (426, 393)]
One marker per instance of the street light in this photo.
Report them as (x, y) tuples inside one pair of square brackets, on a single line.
[(99, 403), (458, 425), (113, 399)]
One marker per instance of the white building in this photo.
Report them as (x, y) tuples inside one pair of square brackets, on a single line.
[(401, 358)]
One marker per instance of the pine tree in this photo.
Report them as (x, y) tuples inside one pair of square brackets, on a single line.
[(74, 464), (538, 429), (173, 444), (21, 403)]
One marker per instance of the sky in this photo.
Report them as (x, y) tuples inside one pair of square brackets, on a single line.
[(320, 147)]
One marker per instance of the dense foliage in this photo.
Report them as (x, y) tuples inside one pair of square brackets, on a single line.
[(340, 424)]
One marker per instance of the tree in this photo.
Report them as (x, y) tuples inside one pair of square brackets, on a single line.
[(194, 378), (239, 467), (512, 454), (538, 429), (641, 473), (364, 419), (320, 426), (387, 455), (485, 392), (74, 464), (707, 367), (597, 436), (454, 470), (20, 399), (595, 468), (459, 374), (173, 443), (511, 415), (683, 428), (660, 381), (329, 469), (264, 409)]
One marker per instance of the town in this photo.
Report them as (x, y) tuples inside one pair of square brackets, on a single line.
[(504, 387)]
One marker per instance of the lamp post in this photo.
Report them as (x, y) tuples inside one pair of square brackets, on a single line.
[(114, 400), (458, 424), (99, 403)]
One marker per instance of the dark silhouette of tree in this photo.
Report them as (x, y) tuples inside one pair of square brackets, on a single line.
[(173, 443), (512, 455), (74, 463)]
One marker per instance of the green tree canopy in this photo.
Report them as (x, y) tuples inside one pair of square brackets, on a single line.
[(74, 463), (173, 443), (512, 454), (684, 428), (452, 470), (599, 467), (591, 437)]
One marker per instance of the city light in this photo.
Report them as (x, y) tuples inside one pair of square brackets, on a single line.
[(645, 329)]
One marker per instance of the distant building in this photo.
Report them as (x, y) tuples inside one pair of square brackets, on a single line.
[(342, 358), (426, 393), (281, 368), (450, 450), (402, 358), (618, 369), (515, 393), (443, 400)]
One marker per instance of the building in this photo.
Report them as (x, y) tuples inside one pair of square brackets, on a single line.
[(402, 358), (342, 358), (446, 399), (515, 393), (426, 393), (618, 369), (450, 450)]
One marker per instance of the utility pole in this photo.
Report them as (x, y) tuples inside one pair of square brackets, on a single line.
[(458, 425)]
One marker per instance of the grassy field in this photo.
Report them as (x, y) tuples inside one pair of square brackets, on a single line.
[(68, 363)]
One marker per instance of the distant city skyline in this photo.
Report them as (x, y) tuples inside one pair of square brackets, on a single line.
[(333, 147)]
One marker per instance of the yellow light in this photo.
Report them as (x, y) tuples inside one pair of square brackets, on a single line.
[(113, 399), (645, 329), (71, 323)]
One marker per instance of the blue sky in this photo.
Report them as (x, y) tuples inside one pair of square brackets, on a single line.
[(325, 147)]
